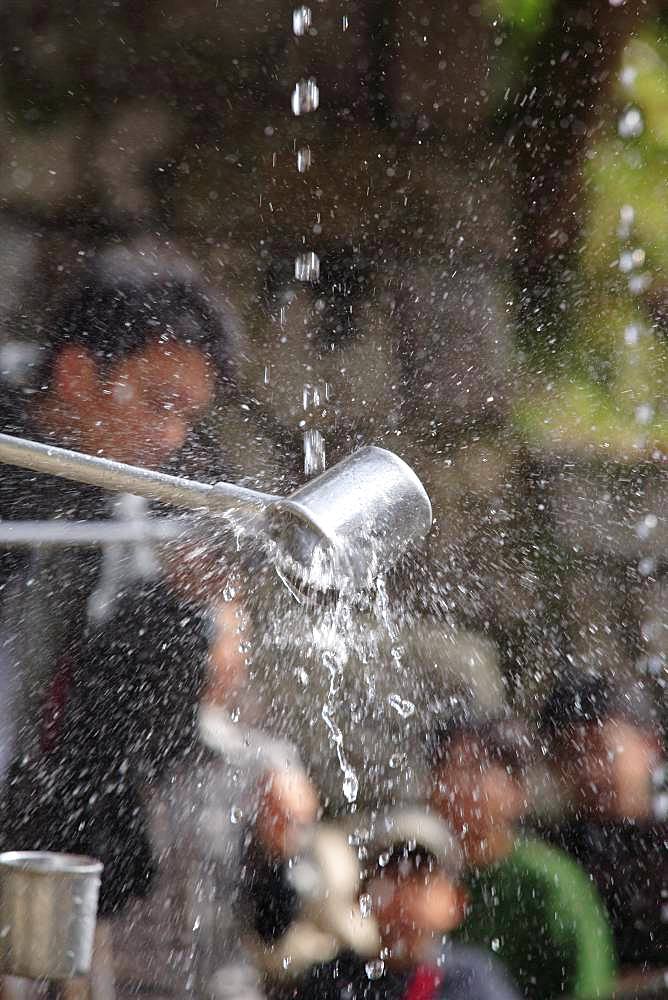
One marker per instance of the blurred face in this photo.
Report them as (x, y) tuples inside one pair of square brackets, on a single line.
[(481, 799), (141, 409), (414, 908), (609, 768)]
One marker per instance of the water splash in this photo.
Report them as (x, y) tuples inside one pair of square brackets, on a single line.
[(350, 785), (314, 452), (402, 706), (375, 968)]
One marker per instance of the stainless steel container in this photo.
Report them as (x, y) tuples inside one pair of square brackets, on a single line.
[(48, 909), (353, 521)]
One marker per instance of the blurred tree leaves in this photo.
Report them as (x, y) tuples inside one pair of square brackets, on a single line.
[(611, 390)]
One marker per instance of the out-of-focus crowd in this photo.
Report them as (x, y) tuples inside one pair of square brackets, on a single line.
[(530, 861)]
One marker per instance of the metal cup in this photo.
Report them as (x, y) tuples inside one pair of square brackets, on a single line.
[(48, 910), (346, 526)]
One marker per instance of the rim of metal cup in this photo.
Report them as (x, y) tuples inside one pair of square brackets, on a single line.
[(296, 507), (49, 863)]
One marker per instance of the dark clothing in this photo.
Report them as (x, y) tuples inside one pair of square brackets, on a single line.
[(43, 610), (95, 707), (130, 711), (468, 974), (628, 863), (275, 902)]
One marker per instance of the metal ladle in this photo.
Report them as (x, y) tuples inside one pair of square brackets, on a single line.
[(342, 528)]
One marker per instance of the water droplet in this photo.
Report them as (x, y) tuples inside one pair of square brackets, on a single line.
[(365, 904), (631, 335), (631, 124), (403, 706), (303, 159), (627, 214), (495, 944), (625, 262), (383, 859), (314, 452), (229, 592), (397, 759), (644, 413), (375, 968), (305, 97), (301, 20), (646, 566), (638, 283), (628, 75), (344, 22), (236, 815), (350, 786), (307, 266)]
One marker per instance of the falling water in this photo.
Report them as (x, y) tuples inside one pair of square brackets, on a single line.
[(303, 159), (314, 452), (301, 20), (305, 97), (307, 266), (331, 636)]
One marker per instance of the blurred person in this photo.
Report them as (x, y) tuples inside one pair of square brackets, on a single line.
[(126, 369), (156, 773), (411, 891), (232, 784), (323, 881), (602, 740), (528, 902)]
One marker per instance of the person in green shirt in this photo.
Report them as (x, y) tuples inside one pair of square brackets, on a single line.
[(529, 902)]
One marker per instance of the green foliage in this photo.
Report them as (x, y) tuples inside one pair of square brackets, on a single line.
[(528, 15), (612, 389)]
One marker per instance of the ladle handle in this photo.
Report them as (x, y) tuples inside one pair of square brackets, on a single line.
[(121, 478)]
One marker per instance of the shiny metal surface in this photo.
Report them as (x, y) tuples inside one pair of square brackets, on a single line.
[(345, 526), (89, 534), (48, 911), (120, 478), (364, 512)]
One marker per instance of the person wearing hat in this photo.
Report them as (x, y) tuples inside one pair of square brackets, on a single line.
[(529, 903), (602, 739), (411, 897)]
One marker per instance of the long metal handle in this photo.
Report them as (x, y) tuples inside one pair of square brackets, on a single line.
[(121, 478), (90, 534)]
